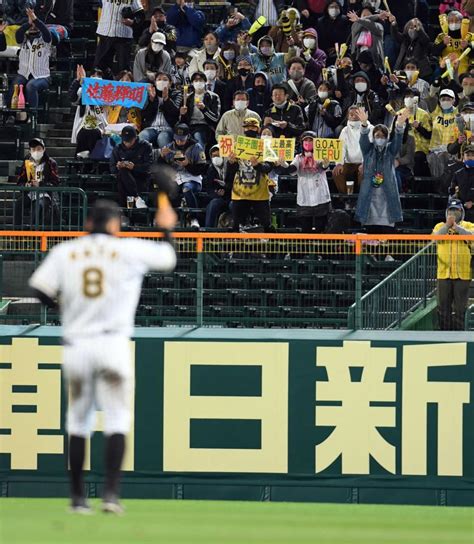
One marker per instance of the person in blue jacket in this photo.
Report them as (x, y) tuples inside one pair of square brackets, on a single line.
[(189, 23), (234, 23), (270, 62)]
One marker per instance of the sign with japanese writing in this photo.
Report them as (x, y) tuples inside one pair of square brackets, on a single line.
[(102, 92), (275, 149), (226, 145), (248, 148), (327, 149)]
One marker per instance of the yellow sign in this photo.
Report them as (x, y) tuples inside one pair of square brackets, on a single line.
[(328, 149), (226, 145), (278, 149), (248, 148)]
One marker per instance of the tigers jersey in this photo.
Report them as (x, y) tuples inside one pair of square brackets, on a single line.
[(110, 23), (98, 279), (34, 59)]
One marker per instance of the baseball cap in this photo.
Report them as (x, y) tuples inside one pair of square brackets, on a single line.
[(251, 122), (447, 92), (181, 129), (158, 37), (469, 148), (36, 142), (129, 133), (468, 106), (160, 9)]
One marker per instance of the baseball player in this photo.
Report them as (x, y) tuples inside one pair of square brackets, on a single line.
[(98, 279), (115, 33)]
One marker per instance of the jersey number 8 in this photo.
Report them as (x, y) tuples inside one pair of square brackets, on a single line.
[(92, 285)]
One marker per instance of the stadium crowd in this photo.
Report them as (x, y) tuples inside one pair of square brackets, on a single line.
[(399, 95)]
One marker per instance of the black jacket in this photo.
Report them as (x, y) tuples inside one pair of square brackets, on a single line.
[(56, 12), (169, 108), (140, 154), (293, 115), (237, 84), (464, 179), (332, 117), (369, 100), (168, 30), (3, 42), (332, 31), (211, 111), (211, 181), (419, 49)]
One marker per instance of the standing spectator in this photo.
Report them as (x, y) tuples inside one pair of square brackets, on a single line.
[(270, 62), (35, 53), (279, 35), (315, 58), (187, 157), (454, 268), (210, 51), (189, 23), (360, 94), (463, 183), (3, 40), (38, 170), (152, 59), (201, 110), (311, 11), (420, 121), (243, 81), (378, 205), (350, 169), (232, 121), (249, 184), (235, 22), (367, 34), (415, 45), (286, 117), (214, 184), (324, 114), (115, 33), (453, 43), (405, 161), (415, 83), (213, 84), (261, 94), (333, 27), (161, 112), (266, 8), (302, 89), (158, 24), (131, 162)]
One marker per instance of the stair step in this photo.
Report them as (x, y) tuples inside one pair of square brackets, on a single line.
[(62, 152)]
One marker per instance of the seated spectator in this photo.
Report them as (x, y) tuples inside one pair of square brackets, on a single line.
[(35, 51), (302, 89), (367, 34), (313, 197), (234, 23), (227, 61), (415, 46), (210, 51), (213, 84), (200, 110), (214, 184), (453, 44), (90, 122), (324, 114), (131, 162), (261, 94), (38, 170), (315, 58), (333, 27), (152, 59), (467, 95), (462, 185), (121, 114), (287, 118), (378, 204), (465, 132), (231, 121), (405, 161), (158, 24), (243, 81), (415, 83), (270, 62), (420, 122), (161, 112), (187, 157), (249, 185), (350, 169), (189, 23), (180, 70), (360, 94)]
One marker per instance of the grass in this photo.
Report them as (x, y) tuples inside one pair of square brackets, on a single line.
[(184, 522)]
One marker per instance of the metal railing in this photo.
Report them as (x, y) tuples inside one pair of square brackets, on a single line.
[(42, 208)]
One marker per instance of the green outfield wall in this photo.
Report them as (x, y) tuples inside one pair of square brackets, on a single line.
[(280, 415)]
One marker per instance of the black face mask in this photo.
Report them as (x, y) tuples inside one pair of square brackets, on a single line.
[(243, 71), (251, 134), (260, 88)]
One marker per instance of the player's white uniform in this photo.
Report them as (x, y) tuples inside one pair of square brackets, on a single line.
[(99, 278), (110, 23)]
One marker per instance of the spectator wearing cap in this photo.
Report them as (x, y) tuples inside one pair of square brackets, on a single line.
[(248, 183), (421, 128), (38, 170), (232, 120), (210, 50), (131, 162), (213, 84), (158, 24), (243, 81), (454, 272), (201, 110), (189, 23), (152, 59), (462, 185), (444, 132), (188, 158), (268, 61), (301, 89), (287, 118), (367, 33), (161, 112), (214, 184), (314, 56), (234, 23)]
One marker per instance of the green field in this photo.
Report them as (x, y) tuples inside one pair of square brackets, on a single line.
[(172, 522)]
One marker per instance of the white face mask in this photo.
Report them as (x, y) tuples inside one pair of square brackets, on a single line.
[(240, 105), (211, 48), (409, 102), (333, 12), (217, 161), (309, 43), (37, 155), (157, 47), (380, 142), (199, 85), (446, 104), (354, 124), (410, 74), (161, 84), (266, 137), (210, 74), (360, 86), (454, 26), (323, 95)]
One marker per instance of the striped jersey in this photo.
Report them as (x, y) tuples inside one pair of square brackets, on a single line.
[(98, 279), (110, 23), (34, 58)]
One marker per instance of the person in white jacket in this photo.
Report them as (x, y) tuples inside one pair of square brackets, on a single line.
[(211, 50), (350, 168)]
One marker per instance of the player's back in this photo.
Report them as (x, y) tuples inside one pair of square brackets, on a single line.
[(99, 279)]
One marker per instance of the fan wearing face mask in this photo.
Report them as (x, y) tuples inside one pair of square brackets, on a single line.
[(325, 113), (210, 50), (214, 185), (465, 131), (38, 170), (378, 206), (453, 43), (316, 58), (269, 61), (243, 81), (227, 61), (158, 23), (302, 90), (462, 184), (287, 118), (444, 132), (359, 93), (416, 83), (333, 27), (152, 59), (415, 45), (213, 83), (232, 120), (467, 94)]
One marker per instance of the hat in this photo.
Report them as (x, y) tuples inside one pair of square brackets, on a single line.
[(447, 92), (455, 204), (308, 134), (251, 122), (469, 148), (36, 142), (181, 129), (158, 37), (160, 9), (129, 133), (468, 106), (310, 32), (246, 58)]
